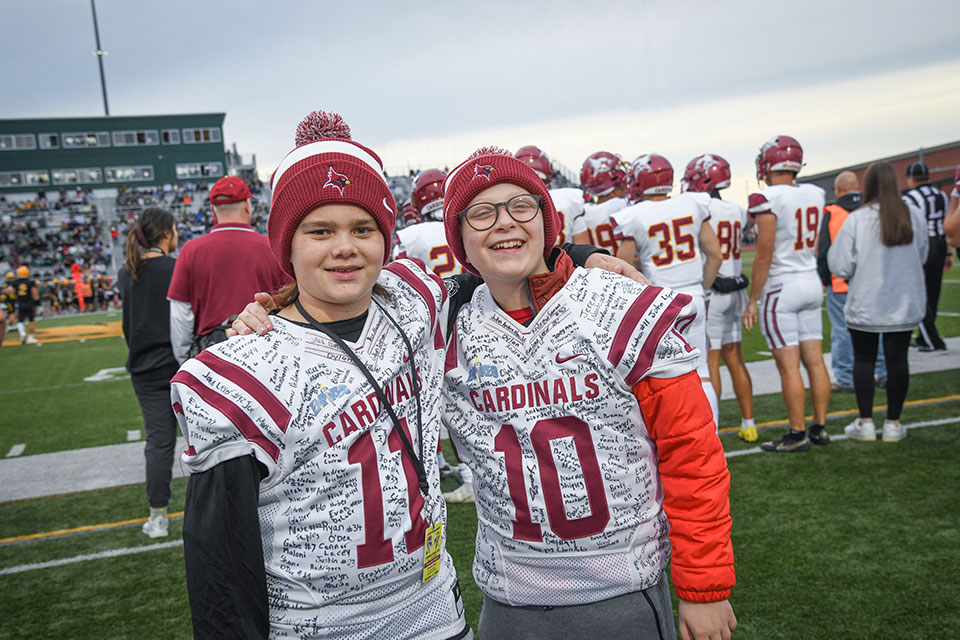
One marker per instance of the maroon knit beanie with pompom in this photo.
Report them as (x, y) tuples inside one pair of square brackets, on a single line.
[(327, 167), (484, 168)]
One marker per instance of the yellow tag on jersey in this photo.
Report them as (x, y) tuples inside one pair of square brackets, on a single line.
[(433, 543)]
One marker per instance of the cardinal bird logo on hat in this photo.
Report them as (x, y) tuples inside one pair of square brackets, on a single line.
[(482, 171), (336, 180)]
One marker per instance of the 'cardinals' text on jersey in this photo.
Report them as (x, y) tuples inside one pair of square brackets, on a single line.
[(342, 517), (798, 209), (567, 489), (595, 221), (667, 234), (569, 204), (427, 241)]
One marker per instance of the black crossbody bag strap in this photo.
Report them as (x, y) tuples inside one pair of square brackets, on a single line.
[(417, 461)]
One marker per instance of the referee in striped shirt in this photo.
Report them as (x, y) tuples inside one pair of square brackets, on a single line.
[(933, 202)]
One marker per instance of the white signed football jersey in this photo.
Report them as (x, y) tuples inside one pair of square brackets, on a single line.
[(568, 495), (341, 514)]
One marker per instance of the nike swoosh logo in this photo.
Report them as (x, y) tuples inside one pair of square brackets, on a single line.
[(387, 206), (562, 360)]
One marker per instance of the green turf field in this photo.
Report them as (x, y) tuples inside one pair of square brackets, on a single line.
[(852, 540)]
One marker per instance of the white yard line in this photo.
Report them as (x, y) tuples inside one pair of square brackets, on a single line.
[(90, 556), (16, 450), (838, 438)]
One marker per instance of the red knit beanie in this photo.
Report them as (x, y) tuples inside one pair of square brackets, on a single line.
[(484, 168), (327, 167)]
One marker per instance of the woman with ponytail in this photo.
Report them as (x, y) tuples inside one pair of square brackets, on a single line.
[(144, 280), (880, 250)]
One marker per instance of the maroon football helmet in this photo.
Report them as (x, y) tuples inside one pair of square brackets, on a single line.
[(780, 153), (706, 173), (650, 174), (409, 214), (601, 173), (428, 193), (538, 161)]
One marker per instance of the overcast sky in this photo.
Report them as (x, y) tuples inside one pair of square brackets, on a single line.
[(424, 83)]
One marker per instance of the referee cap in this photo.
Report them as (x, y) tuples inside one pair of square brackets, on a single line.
[(918, 170)]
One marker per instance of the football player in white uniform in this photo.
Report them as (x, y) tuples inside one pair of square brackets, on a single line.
[(569, 201), (573, 395), (313, 508), (426, 241), (602, 176), (672, 242), (786, 292), (727, 299)]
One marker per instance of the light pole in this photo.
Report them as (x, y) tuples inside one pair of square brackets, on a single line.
[(100, 53)]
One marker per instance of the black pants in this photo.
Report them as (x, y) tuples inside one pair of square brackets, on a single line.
[(895, 345), (933, 275), (153, 394)]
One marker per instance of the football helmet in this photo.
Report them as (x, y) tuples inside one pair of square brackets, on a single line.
[(601, 173), (537, 160), (23, 271), (428, 193), (650, 174), (780, 153), (409, 214), (706, 173)]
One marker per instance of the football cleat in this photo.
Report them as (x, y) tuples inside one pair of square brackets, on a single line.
[(789, 443), (748, 434), (817, 434)]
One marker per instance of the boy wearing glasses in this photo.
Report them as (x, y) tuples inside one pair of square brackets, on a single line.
[(573, 395)]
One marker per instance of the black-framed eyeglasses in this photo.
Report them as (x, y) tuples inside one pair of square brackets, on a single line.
[(483, 215)]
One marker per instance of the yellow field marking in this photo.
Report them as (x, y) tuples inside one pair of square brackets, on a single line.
[(109, 329), (850, 412), (87, 528)]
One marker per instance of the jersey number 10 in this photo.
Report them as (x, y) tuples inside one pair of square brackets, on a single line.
[(507, 442)]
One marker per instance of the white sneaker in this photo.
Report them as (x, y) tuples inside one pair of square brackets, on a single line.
[(31, 339), (463, 493), (858, 430), (893, 431), (155, 527)]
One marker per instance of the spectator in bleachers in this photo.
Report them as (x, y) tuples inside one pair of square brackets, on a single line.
[(880, 250)]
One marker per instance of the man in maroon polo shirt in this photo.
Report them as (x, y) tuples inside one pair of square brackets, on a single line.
[(216, 275)]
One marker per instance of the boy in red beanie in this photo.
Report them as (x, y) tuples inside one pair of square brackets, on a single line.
[(576, 390)]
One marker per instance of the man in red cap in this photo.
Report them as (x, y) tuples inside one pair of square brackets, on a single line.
[(201, 298)]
